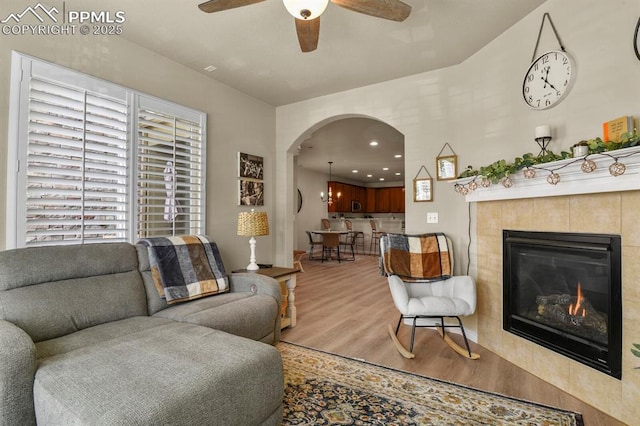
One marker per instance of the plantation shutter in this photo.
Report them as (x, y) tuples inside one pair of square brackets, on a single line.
[(170, 174), (92, 161), (76, 165)]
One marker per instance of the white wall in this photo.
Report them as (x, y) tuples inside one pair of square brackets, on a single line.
[(310, 185), (236, 122), (477, 106)]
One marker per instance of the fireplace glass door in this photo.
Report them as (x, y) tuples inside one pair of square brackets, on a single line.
[(562, 291)]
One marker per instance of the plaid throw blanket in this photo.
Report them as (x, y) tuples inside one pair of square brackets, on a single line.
[(185, 268), (416, 257)]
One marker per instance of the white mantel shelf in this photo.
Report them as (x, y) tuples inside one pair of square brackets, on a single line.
[(573, 180)]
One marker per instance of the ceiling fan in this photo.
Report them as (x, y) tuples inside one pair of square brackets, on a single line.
[(307, 13)]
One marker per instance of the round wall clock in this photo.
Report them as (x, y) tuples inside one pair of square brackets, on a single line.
[(548, 79)]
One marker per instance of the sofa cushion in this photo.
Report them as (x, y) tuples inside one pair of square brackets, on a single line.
[(53, 291), (244, 314), (94, 335), (169, 374)]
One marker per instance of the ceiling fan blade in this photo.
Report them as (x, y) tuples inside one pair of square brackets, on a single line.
[(219, 5), (394, 10), (308, 33)]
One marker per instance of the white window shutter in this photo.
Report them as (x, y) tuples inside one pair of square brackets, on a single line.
[(76, 176), (170, 181), (95, 162)]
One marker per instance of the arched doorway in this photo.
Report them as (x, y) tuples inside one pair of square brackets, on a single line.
[(346, 141)]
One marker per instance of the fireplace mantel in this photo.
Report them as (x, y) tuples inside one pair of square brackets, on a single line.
[(573, 180)]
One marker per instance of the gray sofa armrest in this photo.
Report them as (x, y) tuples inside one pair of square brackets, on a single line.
[(258, 284), (245, 282), (17, 373)]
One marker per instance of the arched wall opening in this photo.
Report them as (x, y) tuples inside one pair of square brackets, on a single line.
[(345, 141)]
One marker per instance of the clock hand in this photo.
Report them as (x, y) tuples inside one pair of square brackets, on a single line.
[(551, 85)]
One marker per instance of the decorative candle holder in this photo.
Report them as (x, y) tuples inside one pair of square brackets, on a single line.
[(543, 137)]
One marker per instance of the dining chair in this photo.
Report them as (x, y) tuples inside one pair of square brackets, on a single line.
[(374, 244), (330, 242), (312, 245), (349, 242), (358, 237), (325, 224)]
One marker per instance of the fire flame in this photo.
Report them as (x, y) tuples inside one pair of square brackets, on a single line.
[(574, 309)]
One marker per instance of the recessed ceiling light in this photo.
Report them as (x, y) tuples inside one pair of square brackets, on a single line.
[(354, 171), (369, 175), (373, 143), (381, 178), (385, 168), (210, 68), (398, 156), (398, 173)]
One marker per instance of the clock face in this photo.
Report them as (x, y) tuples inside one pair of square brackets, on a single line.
[(548, 80)]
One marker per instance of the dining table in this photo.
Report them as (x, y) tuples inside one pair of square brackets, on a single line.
[(324, 232)]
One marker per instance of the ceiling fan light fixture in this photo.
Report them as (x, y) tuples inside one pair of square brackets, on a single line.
[(305, 9)]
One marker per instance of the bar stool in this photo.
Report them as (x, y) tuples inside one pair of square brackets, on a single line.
[(357, 236), (374, 244)]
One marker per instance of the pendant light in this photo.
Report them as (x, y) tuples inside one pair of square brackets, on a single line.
[(329, 199)]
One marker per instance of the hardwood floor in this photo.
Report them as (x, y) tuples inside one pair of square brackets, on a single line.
[(345, 308)]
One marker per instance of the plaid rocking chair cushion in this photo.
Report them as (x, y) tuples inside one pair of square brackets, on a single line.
[(416, 258)]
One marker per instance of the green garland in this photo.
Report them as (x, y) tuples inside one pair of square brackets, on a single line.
[(500, 169)]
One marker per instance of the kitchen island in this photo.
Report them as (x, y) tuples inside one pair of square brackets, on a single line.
[(362, 225)]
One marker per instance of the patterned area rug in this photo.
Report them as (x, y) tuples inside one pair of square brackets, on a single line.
[(326, 389)]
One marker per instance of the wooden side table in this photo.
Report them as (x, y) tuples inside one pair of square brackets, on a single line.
[(287, 279)]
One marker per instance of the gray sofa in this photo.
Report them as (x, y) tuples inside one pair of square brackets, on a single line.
[(86, 340)]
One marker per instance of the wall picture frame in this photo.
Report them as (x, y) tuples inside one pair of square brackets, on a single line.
[(422, 189), (447, 167), (250, 166), (250, 192)]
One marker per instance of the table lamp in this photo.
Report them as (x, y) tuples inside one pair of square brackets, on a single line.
[(253, 224)]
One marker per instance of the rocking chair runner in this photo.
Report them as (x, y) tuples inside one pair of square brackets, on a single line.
[(419, 272)]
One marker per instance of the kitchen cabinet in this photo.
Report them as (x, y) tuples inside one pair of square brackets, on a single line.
[(373, 200), (396, 199), (339, 204), (383, 200)]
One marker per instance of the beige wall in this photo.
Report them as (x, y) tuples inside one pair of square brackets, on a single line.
[(613, 213), (236, 122), (477, 108)]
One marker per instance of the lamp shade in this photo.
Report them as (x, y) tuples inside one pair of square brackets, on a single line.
[(253, 224)]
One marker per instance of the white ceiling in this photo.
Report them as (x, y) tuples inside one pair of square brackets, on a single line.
[(256, 51), (346, 143)]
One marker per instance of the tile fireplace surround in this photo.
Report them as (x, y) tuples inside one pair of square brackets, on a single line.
[(614, 211)]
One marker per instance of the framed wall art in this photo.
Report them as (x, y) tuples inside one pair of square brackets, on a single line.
[(422, 189), (447, 167), (251, 180), (250, 166), (251, 192)]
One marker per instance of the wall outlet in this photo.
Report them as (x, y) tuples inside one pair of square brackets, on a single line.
[(432, 217)]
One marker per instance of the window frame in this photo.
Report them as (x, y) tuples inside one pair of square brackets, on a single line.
[(22, 67)]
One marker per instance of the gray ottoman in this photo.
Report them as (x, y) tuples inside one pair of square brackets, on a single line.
[(153, 371)]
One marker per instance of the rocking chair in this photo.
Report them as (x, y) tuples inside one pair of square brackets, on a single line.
[(419, 272)]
